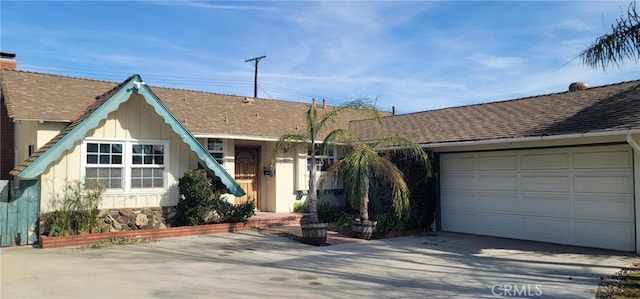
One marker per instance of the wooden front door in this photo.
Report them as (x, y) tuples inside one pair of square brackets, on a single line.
[(247, 174)]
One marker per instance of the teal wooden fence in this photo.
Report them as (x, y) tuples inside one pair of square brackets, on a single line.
[(19, 213)]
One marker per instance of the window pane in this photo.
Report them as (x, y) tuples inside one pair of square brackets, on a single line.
[(105, 148), (158, 149), (116, 148), (92, 159), (116, 172), (158, 172), (148, 149), (148, 159), (116, 183), (136, 172), (147, 172), (91, 172), (137, 149), (116, 159), (137, 160), (92, 147), (157, 183), (104, 159), (147, 183), (159, 160), (104, 172), (214, 144), (136, 183)]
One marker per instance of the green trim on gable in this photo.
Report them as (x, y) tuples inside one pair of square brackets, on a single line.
[(38, 166)]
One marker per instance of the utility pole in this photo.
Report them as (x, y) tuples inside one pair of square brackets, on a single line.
[(255, 79)]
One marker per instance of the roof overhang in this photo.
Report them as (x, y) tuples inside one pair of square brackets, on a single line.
[(441, 145)]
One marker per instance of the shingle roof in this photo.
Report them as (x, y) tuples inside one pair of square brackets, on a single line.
[(597, 109), (39, 96)]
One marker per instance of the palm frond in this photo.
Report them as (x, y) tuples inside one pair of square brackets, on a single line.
[(406, 147), (613, 48)]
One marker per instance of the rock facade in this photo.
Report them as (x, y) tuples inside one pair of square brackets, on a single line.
[(114, 220)]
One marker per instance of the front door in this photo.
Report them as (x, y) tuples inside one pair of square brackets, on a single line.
[(247, 174)]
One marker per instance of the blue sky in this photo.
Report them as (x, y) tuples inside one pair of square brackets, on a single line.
[(415, 55)]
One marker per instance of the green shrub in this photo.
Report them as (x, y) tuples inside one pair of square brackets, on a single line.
[(422, 197), (198, 202), (75, 211), (230, 213), (301, 207), (388, 222), (327, 212), (196, 193)]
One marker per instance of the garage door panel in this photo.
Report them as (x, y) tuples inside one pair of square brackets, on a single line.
[(458, 182), (603, 183), (499, 224), (605, 232), (498, 163), (497, 202), (458, 163), (545, 161), (547, 229), (498, 182), (576, 196), (605, 209), (602, 159), (460, 222), (547, 183), (459, 200), (556, 206)]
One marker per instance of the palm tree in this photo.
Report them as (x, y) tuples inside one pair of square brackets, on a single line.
[(317, 124), (363, 163), (622, 43)]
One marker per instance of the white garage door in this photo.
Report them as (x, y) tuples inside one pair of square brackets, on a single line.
[(577, 196)]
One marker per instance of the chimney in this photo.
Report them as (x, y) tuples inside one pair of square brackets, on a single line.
[(393, 110), (8, 61), (313, 102), (324, 103)]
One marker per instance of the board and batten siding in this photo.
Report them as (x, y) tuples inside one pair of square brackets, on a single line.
[(577, 196), (134, 120)]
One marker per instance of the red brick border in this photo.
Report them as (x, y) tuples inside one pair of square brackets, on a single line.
[(170, 232)]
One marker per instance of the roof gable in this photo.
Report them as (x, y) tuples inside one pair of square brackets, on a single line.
[(105, 104)]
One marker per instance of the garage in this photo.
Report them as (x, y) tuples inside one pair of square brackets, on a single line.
[(580, 195)]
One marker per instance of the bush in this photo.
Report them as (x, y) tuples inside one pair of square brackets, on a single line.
[(75, 211), (229, 213), (327, 212), (198, 205), (196, 193), (301, 207), (422, 198)]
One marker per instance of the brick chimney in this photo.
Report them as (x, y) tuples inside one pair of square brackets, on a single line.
[(8, 61)]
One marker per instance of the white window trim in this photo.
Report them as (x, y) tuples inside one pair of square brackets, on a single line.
[(128, 164)]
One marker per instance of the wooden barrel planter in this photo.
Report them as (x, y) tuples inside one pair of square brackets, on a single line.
[(364, 229), (314, 233)]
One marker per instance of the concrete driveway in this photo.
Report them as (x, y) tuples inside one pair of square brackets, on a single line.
[(259, 265)]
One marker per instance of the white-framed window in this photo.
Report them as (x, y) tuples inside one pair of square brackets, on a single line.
[(216, 149), (322, 162), (131, 165)]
